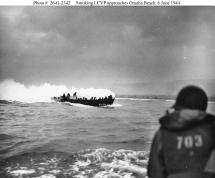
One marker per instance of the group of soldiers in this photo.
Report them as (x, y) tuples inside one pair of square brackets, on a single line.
[(107, 100), (74, 96)]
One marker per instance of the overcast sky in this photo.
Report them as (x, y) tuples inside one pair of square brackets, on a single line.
[(96, 47)]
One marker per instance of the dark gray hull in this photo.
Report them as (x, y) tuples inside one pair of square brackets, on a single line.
[(96, 102)]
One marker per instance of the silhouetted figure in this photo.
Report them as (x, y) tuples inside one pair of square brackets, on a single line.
[(75, 95), (110, 97), (185, 140), (68, 96)]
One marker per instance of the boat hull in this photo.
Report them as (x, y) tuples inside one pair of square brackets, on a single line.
[(96, 102)]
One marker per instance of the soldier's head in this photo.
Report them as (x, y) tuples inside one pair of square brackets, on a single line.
[(191, 97)]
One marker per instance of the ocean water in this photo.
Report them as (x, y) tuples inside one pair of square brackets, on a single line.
[(60, 140)]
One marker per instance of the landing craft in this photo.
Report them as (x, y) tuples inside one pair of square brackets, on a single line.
[(92, 102)]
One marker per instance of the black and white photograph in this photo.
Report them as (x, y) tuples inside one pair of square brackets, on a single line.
[(107, 92)]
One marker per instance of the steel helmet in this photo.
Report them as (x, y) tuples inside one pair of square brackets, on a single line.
[(191, 97)]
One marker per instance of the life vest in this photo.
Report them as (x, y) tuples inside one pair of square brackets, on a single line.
[(188, 149)]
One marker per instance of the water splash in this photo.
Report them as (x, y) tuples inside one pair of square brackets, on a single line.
[(96, 163), (78, 105), (14, 91)]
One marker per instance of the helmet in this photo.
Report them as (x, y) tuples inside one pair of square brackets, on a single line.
[(191, 97)]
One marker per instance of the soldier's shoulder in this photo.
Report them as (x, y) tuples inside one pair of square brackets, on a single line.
[(210, 116)]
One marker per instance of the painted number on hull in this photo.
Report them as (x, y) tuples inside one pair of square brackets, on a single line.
[(189, 141)]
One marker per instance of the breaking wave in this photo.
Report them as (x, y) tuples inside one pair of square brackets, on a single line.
[(15, 91), (98, 163)]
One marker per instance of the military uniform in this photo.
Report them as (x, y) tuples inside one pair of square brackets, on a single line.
[(182, 145)]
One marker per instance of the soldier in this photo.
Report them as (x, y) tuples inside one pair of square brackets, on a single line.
[(182, 145)]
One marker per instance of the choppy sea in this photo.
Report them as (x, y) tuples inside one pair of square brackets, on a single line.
[(61, 140)]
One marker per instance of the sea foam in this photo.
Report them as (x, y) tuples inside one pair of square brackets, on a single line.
[(89, 163)]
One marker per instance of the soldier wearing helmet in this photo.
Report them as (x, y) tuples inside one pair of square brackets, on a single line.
[(183, 144)]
